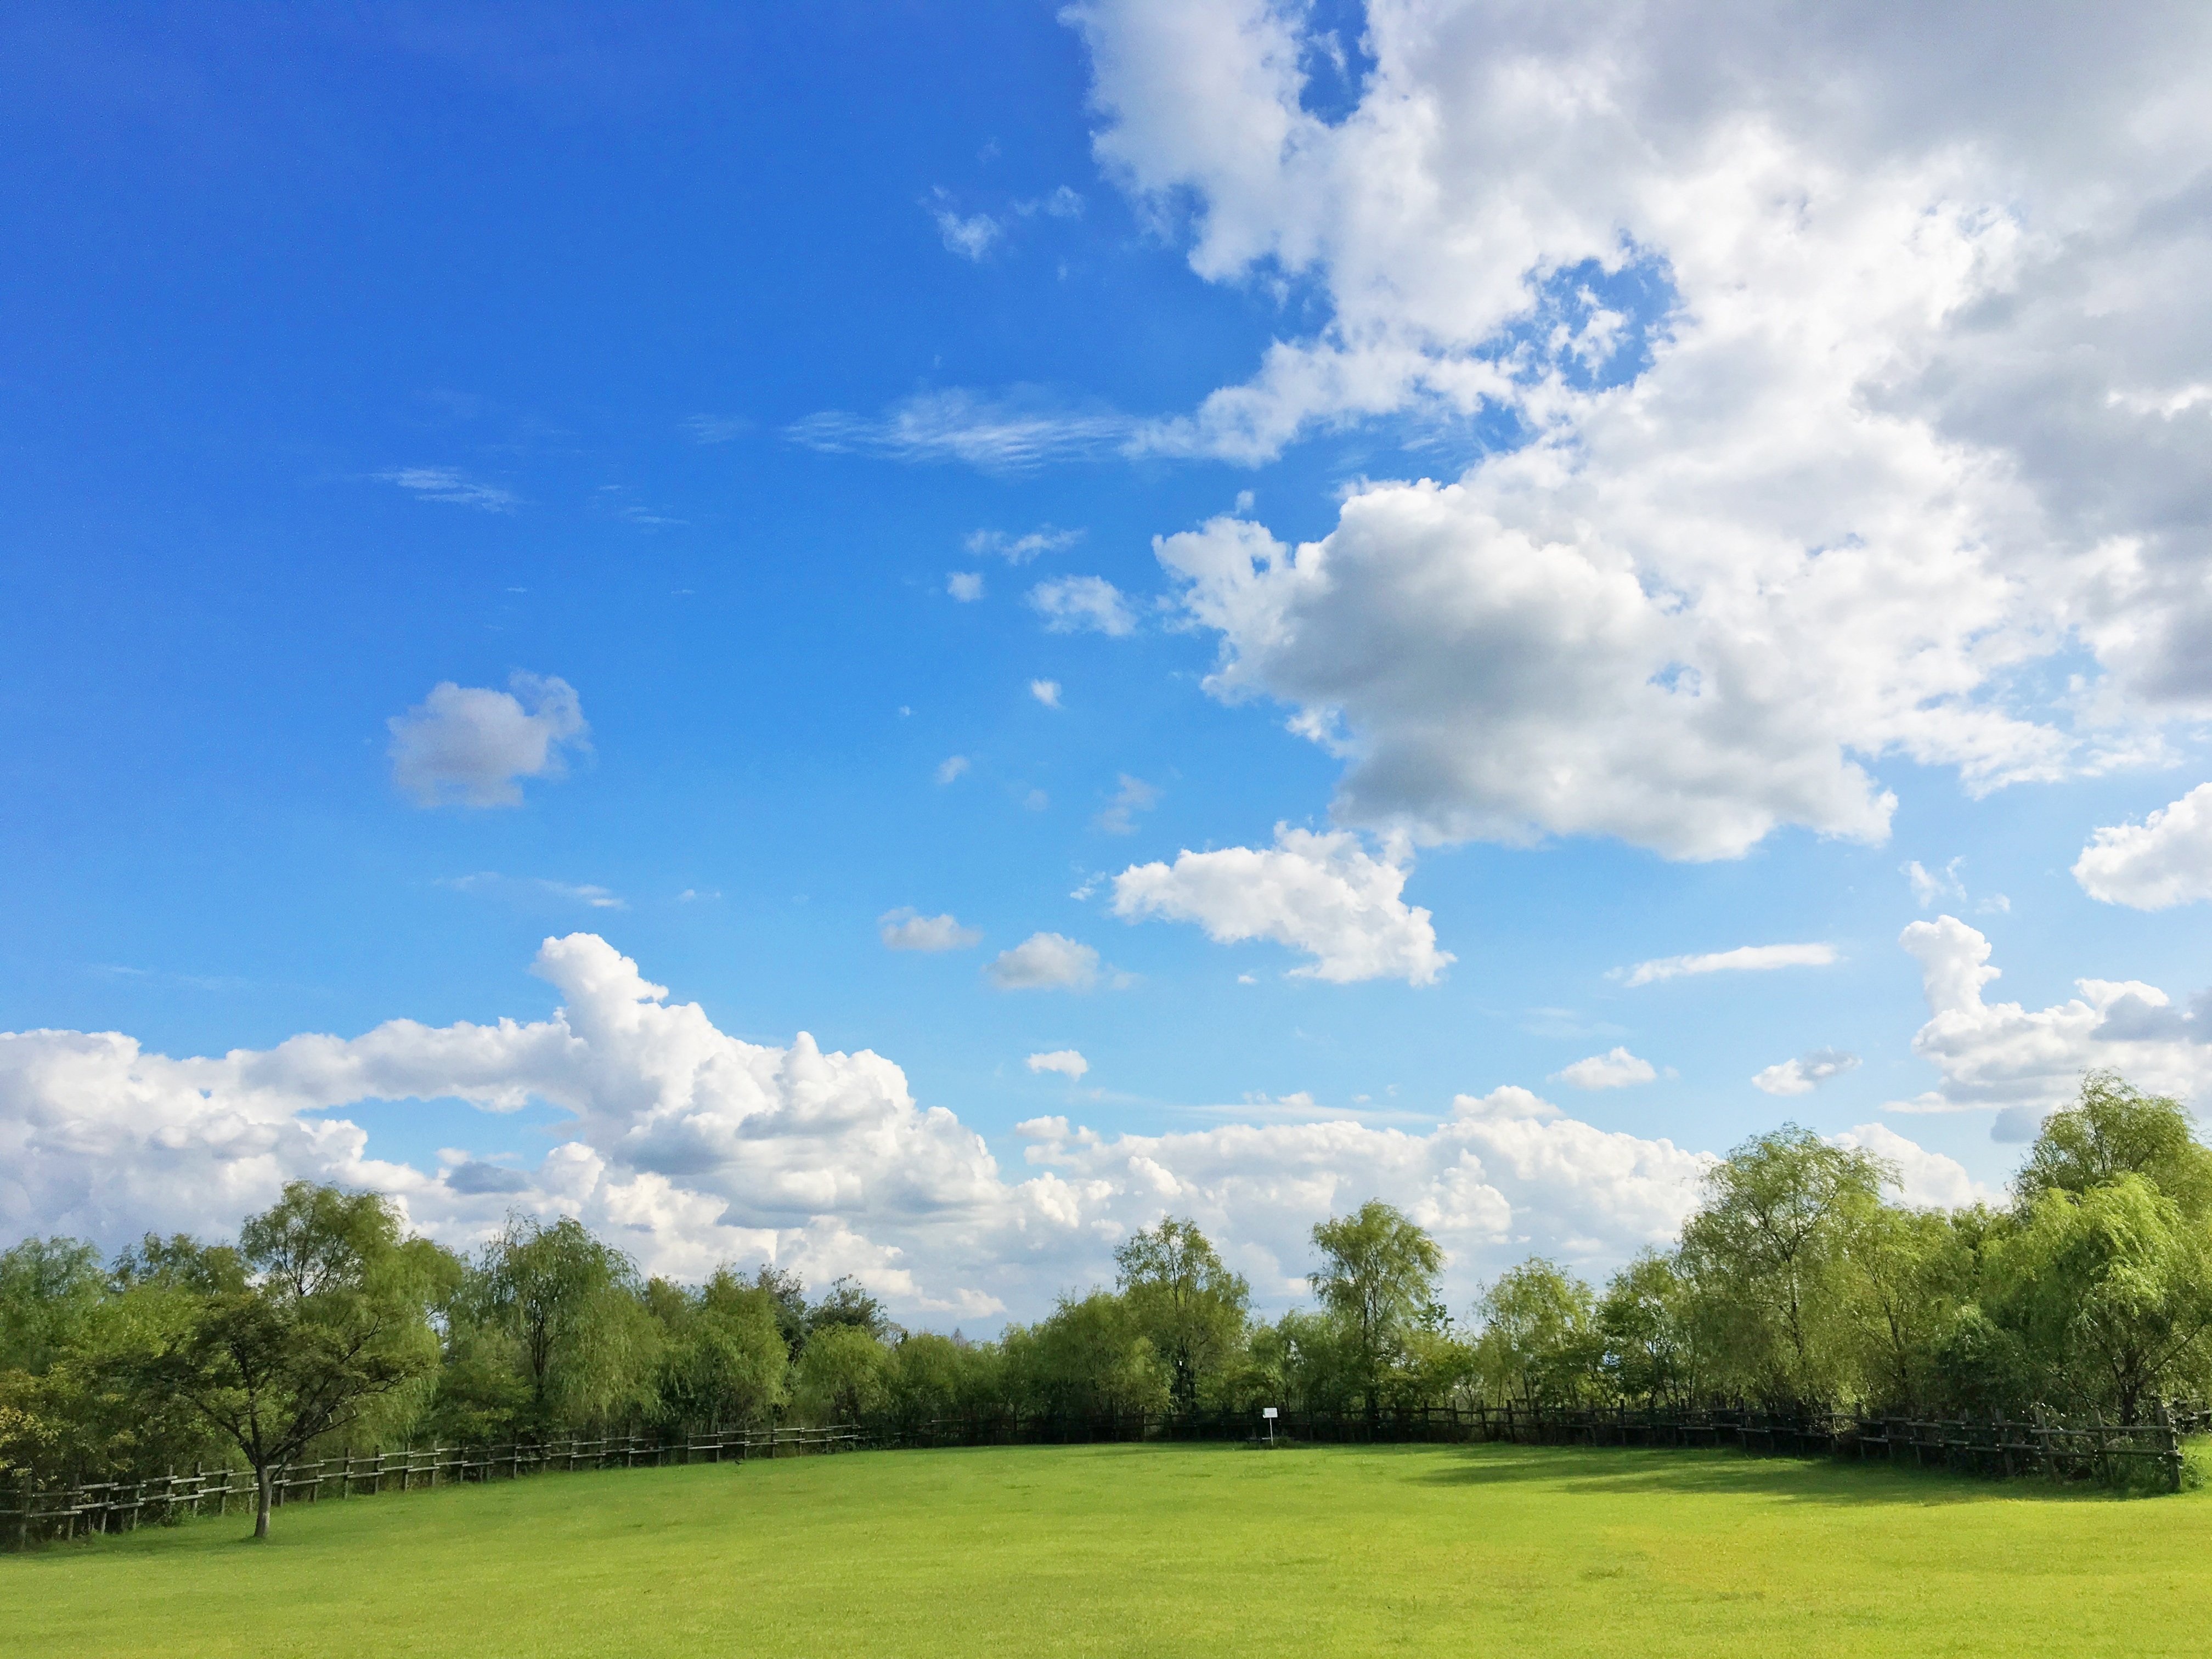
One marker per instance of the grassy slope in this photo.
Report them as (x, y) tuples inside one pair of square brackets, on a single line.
[(1156, 1550)]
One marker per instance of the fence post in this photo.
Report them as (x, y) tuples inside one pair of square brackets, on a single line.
[(2170, 1449)]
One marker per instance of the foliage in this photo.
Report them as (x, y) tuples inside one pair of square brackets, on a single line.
[(1539, 1343), (1190, 1308), (333, 1317), (1378, 1279)]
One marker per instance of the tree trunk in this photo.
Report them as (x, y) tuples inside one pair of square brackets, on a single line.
[(264, 1481)]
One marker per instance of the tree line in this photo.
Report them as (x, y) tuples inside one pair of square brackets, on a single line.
[(1797, 1280)]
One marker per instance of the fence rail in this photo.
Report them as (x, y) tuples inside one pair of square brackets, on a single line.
[(60, 1511), (2044, 1445)]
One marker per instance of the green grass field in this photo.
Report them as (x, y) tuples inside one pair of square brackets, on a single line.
[(1156, 1550)]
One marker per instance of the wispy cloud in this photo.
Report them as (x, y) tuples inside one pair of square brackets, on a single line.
[(907, 929), (1748, 959), (951, 768), (1020, 430), (1046, 692), (965, 586), (1020, 549), (1134, 796), (446, 484), (491, 883)]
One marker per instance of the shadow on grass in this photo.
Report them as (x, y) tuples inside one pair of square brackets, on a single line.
[(1627, 1470)]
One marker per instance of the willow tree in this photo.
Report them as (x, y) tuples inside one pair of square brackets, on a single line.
[(1190, 1305), (1377, 1279)]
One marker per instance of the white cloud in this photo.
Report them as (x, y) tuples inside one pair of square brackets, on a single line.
[(692, 1148), (907, 929), (444, 484), (1008, 433), (1746, 959), (965, 586), (1615, 1069), (1067, 1061), (1926, 1179), (1072, 605), (951, 768), (1046, 692), (1853, 384), (2027, 1063), (585, 893), (970, 235), (1020, 549), (2165, 861), (1929, 885), (1321, 894), (1134, 796), (1045, 961), (1805, 1073), (472, 746)]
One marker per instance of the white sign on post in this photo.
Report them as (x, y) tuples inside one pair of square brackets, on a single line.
[(1268, 1412)]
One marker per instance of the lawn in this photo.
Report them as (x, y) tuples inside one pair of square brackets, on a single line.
[(1156, 1550)]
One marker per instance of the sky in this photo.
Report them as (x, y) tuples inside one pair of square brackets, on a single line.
[(898, 639)]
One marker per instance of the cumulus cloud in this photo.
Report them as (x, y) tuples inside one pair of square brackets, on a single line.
[(2025, 1062), (1614, 1069), (1746, 959), (1045, 961), (472, 745), (964, 586), (952, 767), (692, 1147), (1848, 383), (1065, 1062), (1134, 796), (1805, 1073), (2165, 861), (1020, 549), (907, 929), (1925, 1180), (1075, 604), (1046, 692), (1324, 894)]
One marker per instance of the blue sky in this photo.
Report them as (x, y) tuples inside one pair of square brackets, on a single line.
[(344, 353)]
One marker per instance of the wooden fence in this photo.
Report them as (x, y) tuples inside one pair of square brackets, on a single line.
[(41, 1513), (2045, 1445)]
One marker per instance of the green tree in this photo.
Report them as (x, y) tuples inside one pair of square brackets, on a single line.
[(1772, 1241), (723, 1360), (1647, 1329), (1188, 1306), (1539, 1344), (1378, 1279), (844, 1373), (848, 1303), (333, 1317), (49, 1288), (2114, 1130), (573, 1306), (1911, 1270), (2110, 1292), (1090, 1358)]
